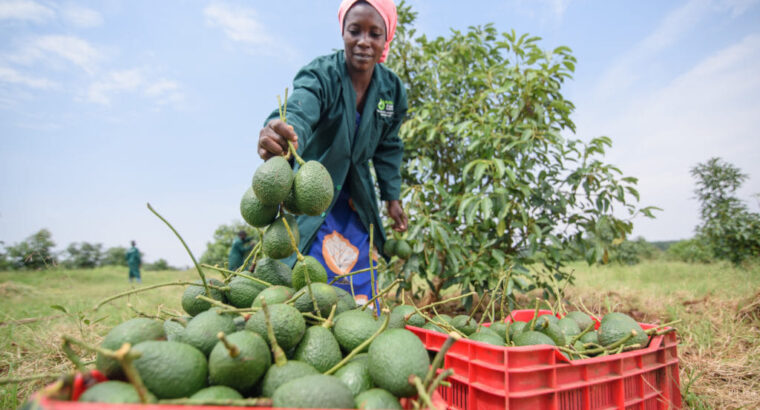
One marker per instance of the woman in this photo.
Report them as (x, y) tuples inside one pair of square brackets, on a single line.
[(345, 110)]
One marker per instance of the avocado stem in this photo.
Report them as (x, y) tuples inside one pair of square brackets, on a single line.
[(138, 290), (279, 355), (359, 348), (507, 277), (475, 309), (532, 325), (189, 252), (338, 277), (231, 348), (329, 321), (438, 359), (581, 334), (421, 393), (441, 302), (293, 242), (215, 302), (241, 274), (307, 276), (615, 345), (381, 293), (441, 323), (439, 380), (253, 254), (372, 283)]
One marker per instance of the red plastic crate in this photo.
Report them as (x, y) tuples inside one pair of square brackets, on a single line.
[(488, 377)]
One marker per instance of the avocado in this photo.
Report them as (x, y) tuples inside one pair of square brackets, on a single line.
[(111, 391), (276, 242), (272, 180), (443, 317), (255, 212), (132, 331), (432, 326), (193, 306), (400, 312), (313, 188), (389, 249), (279, 375), (355, 375), (173, 330), (590, 337), (402, 249), (394, 356), (376, 399), (583, 320), (243, 291), (274, 295), (318, 391), (290, 203), (323, 293), (308, 266), (287, 323), (171, 370), (515, 328), (554, 332), (546, 317), (615, 326), (532, 337), (464, 324), (489, 337), (243, 371), (217, 393), (500, 328), (346, 302), (354, 327), (569, 327), (318, 348), (201, 331), (273, 271)]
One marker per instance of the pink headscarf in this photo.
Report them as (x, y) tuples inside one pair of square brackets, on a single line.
[(387, 10)]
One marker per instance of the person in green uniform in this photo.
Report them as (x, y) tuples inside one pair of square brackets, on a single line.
[(345, 111), (134, 261), (239, 250)]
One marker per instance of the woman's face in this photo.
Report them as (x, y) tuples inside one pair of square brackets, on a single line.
[(363, 37)]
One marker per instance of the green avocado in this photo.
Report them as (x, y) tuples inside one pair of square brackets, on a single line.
[(615, 326), (217, 393), (309, 265), (402, 249), (255, 212), (111, 391), (243, 371), (243, 291), (324, 295), (272, 180), (313, 188), (318, 348), (287, 323), (354, 327), (171, 370), (317, 391), (532, 337), (192, 305), (376, 399), (464, 324), (273, 271), (355, 375), (132, 331), (201, 332), (279, 375), (276, 242), (394, 356), (273, 295)]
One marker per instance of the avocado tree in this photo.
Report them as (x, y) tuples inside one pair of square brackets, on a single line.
[(493, 187), (728, 226)]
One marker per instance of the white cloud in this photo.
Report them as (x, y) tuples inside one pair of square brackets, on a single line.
[(81, 16), (241, 25), (709, 110), (117, 81), (136, 81), (53, 48), (25, 10), (11, 76), (736, 7)]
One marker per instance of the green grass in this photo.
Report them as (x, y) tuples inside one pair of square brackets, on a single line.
[(30, 347)]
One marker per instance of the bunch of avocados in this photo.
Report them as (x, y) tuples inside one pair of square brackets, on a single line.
[(574, 334), (276, 336)]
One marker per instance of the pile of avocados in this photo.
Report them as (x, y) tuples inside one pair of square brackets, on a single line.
[(277, 333)]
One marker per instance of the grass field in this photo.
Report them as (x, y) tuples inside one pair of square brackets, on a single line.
[(719, 307)]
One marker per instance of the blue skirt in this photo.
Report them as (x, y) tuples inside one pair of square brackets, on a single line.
[(342, 246)]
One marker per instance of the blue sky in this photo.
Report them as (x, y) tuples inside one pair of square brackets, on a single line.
[(107, 105)]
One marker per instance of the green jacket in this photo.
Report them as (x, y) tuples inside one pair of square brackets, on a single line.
[(322, 109), (238, 252), (133, 257)]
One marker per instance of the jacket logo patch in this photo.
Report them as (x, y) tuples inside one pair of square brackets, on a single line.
[(385, 108)]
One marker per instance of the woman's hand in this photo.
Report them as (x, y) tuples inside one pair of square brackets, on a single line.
[(400, 222), (273, 139)]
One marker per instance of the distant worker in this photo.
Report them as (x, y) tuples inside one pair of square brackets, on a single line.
[(134, 262), (239, 250)]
